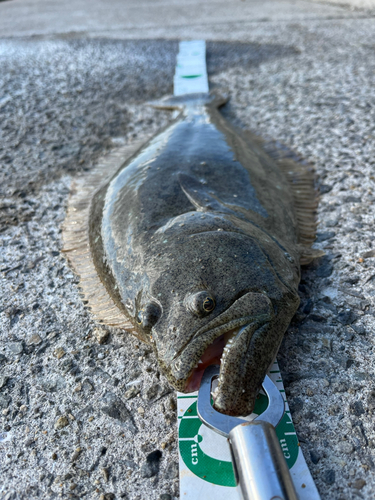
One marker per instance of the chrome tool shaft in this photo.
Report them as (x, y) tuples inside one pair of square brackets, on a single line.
[(259, 465)]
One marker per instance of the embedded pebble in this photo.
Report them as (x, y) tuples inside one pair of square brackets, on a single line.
[(357, 408), (117, 410), (3, 381), (61, 422), (34, 339), (76, 454), (15, 347), (107, 496), (359, 484), (329, 476), (105, 473), (4, 402), (59, 352), (132, 392), (368, 255), (345, 447), (152, 391), (101, 335), (171, 471), (315, 456)]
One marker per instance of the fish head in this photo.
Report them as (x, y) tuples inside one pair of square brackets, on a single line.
[(218, 299)]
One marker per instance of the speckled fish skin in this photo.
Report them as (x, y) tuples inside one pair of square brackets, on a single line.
[(201, 213)]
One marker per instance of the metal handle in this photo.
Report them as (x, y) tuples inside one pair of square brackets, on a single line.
[(259, 464)]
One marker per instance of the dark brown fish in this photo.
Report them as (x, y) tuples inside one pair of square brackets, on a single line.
[(195, 246)]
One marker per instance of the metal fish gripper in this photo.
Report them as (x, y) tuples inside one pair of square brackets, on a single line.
[(259, 465)]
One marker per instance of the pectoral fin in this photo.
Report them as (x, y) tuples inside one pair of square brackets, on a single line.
[(198, 195)]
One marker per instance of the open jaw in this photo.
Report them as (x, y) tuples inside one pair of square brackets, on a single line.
[(213, 355)]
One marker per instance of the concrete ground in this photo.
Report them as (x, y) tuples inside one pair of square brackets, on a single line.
[(85, 411), (160, 18)]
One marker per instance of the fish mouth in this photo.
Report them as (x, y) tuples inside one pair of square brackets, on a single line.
[(235, 341), (213, 355)]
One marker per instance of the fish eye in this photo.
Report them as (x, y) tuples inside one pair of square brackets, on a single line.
[(149, 315), (139, 317), (200, 304), (208, 304)]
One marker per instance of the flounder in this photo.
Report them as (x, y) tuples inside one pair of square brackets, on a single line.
[(194, 244)]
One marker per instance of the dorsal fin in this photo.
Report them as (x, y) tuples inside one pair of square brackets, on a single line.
[(301, 178), (75, 235)]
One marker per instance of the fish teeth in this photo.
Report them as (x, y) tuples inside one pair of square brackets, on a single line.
[(214, 392), (199, 362), (225, 352)]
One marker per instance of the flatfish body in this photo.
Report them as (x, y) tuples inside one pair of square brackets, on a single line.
[(198, 239)]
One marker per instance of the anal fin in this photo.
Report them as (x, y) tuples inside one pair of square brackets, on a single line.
[(301, 178)]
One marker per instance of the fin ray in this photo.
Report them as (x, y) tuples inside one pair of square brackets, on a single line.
[(76, 246), (301, 179)]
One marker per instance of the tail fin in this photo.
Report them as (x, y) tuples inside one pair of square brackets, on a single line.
[(181, 102)]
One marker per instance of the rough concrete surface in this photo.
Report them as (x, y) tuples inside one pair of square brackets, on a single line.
[(84, 410), (144, 18)]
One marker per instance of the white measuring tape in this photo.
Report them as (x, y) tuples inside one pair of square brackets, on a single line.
[(205, 464), (191, 70)]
